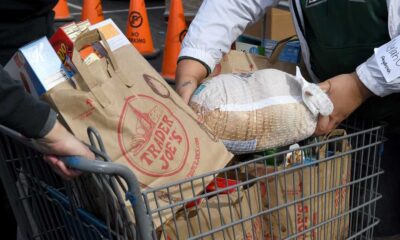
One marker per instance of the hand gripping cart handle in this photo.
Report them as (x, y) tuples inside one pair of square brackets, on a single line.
[(133, 194)]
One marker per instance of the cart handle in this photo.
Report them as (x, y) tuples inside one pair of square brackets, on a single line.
[(133, 194), (143, 221)]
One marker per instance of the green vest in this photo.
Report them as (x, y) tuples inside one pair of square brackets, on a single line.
[(342, 34)]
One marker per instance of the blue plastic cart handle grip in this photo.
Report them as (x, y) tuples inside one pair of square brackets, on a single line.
[(72, 161)]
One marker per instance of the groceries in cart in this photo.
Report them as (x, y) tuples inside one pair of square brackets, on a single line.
[(299, 182), (255, 111), (98, 79), (231, 203), (334, 197)]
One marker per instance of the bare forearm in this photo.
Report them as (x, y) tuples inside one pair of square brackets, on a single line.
[(189, 74)]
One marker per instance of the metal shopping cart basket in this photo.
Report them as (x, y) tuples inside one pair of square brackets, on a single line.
[(321, 189)]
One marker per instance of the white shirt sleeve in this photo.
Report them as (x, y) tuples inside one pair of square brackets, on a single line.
[(217, 24), (370, 73)]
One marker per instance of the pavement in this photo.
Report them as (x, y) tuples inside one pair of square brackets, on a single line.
[(118, 10)]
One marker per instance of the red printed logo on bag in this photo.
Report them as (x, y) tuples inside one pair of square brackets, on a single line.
[(151, 137)]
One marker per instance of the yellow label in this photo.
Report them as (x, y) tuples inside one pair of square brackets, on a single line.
[(108, 31)]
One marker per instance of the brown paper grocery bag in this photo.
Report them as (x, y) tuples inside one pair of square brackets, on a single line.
[(143, 122), (243, 62), (308, 182), (333, 174), (218, 211)]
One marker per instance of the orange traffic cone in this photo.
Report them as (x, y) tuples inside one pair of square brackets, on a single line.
[(62, 11), (138, 29), (176, 31), (93, 11)]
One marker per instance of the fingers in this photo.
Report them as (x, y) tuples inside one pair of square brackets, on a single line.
[(333, 124), (325, 86), (322, 125), (325, 125), (89, 155), (67, 171), (60, 168), (84, 151)]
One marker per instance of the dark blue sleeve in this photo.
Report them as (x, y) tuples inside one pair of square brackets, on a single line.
[(22, 112)]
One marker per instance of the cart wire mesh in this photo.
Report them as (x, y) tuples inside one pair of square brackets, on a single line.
[(323, 188)]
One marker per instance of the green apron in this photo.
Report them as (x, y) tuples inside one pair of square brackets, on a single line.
[(342, 34)]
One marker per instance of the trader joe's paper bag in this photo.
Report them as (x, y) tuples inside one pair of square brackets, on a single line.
[(316, 193), (211, 216), (143, 122)]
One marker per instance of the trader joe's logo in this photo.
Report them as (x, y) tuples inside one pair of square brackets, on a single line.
[(151, 137)]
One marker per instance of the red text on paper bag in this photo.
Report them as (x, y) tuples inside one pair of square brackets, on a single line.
[(158, 145)]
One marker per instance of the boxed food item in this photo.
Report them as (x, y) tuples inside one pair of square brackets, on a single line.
[(290, 52), (63, 42), (249, 45), (43, 64), (255, 111), (37, 66)]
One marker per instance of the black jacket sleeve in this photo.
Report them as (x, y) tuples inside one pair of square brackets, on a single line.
[(22, 112)]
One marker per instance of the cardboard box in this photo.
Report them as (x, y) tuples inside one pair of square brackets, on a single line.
[(279, 25), (43, 64), (38, 66), (63, 43)]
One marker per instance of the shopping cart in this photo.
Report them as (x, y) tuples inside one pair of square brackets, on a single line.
[(317, 190)]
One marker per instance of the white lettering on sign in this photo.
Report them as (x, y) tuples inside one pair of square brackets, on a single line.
[(388, 59)]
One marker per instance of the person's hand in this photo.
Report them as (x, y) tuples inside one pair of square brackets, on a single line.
[(59, 142), (189, 74), (346, 92)]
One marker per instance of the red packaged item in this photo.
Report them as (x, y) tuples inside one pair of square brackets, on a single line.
[(217, 184), (63, 43)]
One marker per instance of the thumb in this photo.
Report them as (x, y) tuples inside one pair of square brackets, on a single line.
[(325, 86)]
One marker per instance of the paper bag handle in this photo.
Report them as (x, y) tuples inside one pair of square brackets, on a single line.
[(88, 38), (92, 83), (334, 134), (279, 48)]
